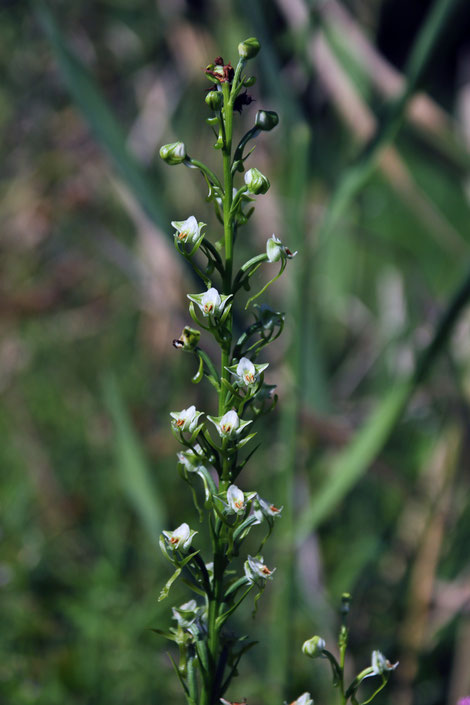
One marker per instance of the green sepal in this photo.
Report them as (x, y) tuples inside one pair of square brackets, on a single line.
[(166, 588), (200, 372), (245, 440), (220, 621), (192, 313)]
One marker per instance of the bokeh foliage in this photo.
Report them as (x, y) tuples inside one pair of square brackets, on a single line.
[(92, 295)]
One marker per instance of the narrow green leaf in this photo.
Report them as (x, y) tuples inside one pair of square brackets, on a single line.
[(349, 465)]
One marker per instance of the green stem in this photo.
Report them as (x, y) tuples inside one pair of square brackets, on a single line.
[(208, 695)]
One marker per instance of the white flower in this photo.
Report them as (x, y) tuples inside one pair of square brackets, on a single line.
[(304, 699), (180, 538), (210, 302), (380, 664), (255, 569), (236, 499), (266, 510), (275, 250), (229, 425), (187, 230), (187, 613), (192, 460), (313, 647), (246, 372), (186, 419)]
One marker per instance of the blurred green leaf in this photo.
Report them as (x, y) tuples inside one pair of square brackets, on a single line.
[(131, 462)]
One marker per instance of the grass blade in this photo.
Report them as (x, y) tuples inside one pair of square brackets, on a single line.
[(104, 125), (131, 463), (351, 464), (358, 174)]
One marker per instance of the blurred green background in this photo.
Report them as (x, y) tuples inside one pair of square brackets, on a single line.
[(368, 448)]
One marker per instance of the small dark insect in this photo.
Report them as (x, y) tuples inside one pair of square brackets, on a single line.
[(241, 100)]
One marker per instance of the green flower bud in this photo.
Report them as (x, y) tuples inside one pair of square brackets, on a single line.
[(174, 153), (249, 48), (249, 81), (214, 100), (313, 647), (188, 339), (266, 120), (256, 181)]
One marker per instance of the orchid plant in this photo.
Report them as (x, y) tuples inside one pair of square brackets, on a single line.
[(216, 448)]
